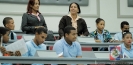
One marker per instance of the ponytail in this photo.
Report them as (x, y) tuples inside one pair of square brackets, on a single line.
[(125, 33)]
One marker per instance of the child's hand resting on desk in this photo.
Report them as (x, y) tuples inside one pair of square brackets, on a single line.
[(2, 49), (98, 41), (17, 53)]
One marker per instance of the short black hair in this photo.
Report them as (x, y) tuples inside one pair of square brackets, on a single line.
[(125, 33), (77, 6), (68, 29), (40, 30), (6, 20), (124, 23), (3, 31), (98, 20)]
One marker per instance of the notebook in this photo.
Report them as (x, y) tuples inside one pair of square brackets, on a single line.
[(86, 39), (46, 53)]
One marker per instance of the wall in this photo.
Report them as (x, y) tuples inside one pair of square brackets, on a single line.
[(110, 10)]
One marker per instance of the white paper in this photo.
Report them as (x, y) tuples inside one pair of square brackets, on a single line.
[(125, 55), (19, 45), (60, 54)]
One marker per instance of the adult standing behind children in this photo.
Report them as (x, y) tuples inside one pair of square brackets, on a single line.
[(32, 19), (73, 19)]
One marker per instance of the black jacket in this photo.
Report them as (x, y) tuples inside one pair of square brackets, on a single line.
[(29, 22), (81, 26)]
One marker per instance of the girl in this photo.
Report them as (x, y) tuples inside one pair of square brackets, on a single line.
[(127, 47), (4, 38), (100, 34)]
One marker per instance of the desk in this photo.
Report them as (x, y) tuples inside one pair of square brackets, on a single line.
[(29, 60), (51, 43)]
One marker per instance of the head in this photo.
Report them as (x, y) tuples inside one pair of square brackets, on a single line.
[(40, 35), (4, 32), (127, 37), (74, 8), (8, 22), (124, 25), (70, 33), (100, 23), (33, 5)]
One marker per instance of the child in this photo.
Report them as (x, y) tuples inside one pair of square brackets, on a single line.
[(4, 38), (100, 34), (127, 47), (8, 22)]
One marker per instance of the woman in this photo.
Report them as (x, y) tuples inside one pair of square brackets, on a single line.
[(33, 18), (100, 34), (127, 47), (74, 20)]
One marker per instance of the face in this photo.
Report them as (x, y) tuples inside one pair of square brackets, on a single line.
[(126, 27), (72, 35), (74, 9), (10, 25), (6, 37), (127, 39), (40, 37), (36, 5), (101, 25)]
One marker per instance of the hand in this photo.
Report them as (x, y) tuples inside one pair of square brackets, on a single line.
[(39, 26), (8, 53), (3, 50), (111, 40), (98, 41), (17, 53)]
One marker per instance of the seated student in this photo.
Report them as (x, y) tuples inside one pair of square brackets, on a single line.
[(127, 47), (4, 34), (124, 27), (100, 34), (37, 42), (8, 22), (67, 46), (74, 20)]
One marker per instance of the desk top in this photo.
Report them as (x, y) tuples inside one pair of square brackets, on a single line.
[(58, 60)]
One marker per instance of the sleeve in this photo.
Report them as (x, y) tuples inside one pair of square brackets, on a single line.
[(27, 53), (109, 36), (44, 23), (92, 34), (58, 48), (85, 29), (61, 26), (116, 37), (79, 50), (24, 25)]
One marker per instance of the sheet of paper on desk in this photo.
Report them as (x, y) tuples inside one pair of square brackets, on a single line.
[(125, 55), (19, 45)]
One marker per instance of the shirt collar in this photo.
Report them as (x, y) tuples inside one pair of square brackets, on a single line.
[(34, 44), (123, 46), (36, 14), (100, 34), (66, 42), (72, 18)]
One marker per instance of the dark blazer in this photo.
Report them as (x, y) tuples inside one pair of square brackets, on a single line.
[(29, 22), (81, 26)]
